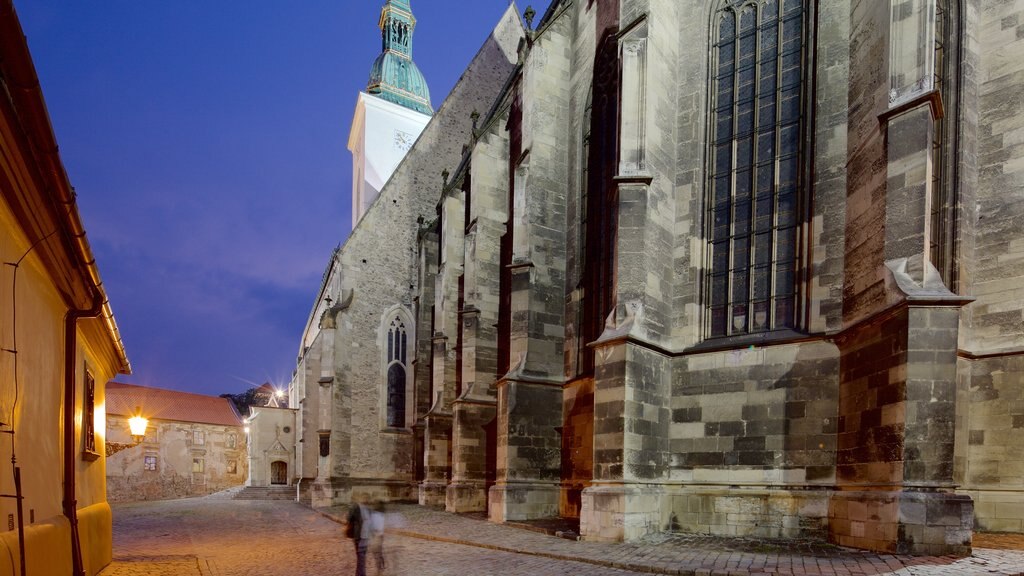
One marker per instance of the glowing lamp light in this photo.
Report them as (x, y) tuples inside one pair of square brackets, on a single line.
[(138, 425)]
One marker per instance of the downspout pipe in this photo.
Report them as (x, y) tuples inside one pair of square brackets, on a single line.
[(70, 447)]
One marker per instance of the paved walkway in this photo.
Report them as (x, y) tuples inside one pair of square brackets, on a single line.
[(217, 537), (691, 555)]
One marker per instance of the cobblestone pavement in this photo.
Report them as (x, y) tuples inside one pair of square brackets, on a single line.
[(211, 537), (216, 537)]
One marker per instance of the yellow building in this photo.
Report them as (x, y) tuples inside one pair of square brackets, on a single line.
[(59, 343)]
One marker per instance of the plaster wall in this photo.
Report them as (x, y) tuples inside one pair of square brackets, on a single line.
[(272, 438), (31, 401), (174, 445)]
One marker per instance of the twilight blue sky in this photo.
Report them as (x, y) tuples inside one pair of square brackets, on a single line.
[(207, 143)]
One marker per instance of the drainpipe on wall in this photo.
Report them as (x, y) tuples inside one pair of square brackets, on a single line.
[(70, 361)]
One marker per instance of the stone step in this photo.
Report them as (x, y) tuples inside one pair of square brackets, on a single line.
[(266, 493)]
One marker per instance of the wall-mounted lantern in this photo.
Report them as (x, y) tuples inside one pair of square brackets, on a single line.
[(138, 424)]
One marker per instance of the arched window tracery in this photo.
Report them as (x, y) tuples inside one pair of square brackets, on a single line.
[(396, 372)]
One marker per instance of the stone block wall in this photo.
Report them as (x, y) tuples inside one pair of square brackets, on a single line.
[(994, 469), (756, 416), (577, 444), (379, 263), (872, 402), (754, 512)]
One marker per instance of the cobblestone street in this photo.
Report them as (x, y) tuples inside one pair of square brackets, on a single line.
[(219, 537)]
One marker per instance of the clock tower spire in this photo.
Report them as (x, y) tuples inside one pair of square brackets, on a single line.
[(392, 112)]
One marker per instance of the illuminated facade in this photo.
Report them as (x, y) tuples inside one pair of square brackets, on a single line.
[(59, 340), (194, 444)]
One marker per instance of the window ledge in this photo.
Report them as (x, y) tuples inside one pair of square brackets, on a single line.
[(772, 338), (639, 178), (399, 431), (933, 99)]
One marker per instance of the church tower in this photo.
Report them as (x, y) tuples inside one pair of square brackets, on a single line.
[(391, 113)]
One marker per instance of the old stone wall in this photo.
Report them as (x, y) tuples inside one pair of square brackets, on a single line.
[(994, 470), (763, 422), (379, 261), (529, 395), (990, 461), (164, 466)]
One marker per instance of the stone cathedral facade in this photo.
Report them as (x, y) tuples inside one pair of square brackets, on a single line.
[(740, 267)]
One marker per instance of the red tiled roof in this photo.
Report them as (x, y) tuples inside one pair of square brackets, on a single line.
[(160, 404)]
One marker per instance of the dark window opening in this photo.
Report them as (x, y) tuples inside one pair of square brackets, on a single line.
[(325, 444), (943, 200), (599, 202), (398, 344), (396, 396), (755, 199)]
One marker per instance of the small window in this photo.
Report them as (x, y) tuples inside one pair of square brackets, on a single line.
[(325, 444), (89, 414), (232, 441), (199, 438), (232, 467), (149, 463), (198, 465)]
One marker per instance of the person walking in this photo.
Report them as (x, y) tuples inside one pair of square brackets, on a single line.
[(358, 527), (377, 519)]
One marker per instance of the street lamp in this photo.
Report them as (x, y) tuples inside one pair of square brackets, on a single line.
[(138, 425)]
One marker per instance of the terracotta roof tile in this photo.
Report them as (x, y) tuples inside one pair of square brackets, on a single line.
[(160, 404)]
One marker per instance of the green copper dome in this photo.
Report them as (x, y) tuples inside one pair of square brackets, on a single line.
[(394, 76)]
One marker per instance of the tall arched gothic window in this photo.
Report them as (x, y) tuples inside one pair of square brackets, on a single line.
[(756, 188), (396, 371), (944, 200)]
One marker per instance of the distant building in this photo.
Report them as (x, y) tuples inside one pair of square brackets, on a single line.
[(59, 343), (272, 446), (194, 445)]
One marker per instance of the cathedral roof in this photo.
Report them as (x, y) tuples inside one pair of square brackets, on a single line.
[(394, 76)]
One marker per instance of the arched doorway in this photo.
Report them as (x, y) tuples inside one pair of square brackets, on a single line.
[(279, 473)]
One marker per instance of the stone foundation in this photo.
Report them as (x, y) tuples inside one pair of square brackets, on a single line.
[(997, 510), (466, 497), (434, 494), (764, 513), (920, 523), (616, 512), (522, 501)]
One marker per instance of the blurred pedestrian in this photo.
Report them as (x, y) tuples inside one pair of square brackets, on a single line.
[(358, 528), (377, 521)]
